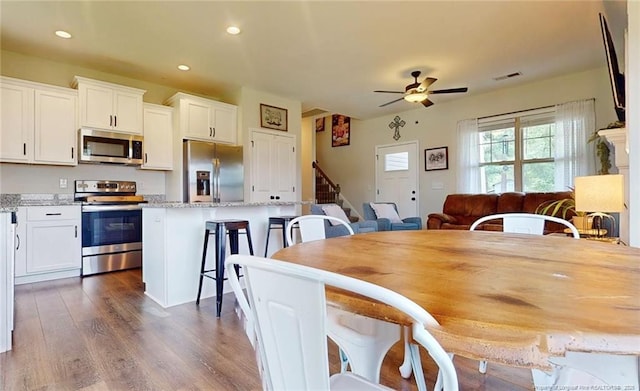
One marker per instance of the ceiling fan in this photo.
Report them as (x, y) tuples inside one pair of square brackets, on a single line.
[(417, 92)]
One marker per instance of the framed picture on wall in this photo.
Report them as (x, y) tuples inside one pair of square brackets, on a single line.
[(273, 117), (320, 124), (436, 159), (340, 130)]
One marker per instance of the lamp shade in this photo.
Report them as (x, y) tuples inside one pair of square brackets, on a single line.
[(599, 193)]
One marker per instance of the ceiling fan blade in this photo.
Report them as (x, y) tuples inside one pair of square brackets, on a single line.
[(393, 101), (390, 92), (426, 83), (426, 103), (449, 91)]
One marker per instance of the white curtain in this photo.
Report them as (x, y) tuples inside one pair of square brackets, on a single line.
[(468, 180), (574, 122)]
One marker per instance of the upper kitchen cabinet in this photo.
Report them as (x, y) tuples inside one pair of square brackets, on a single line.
[(204, 119), (109, 106), (158, 137), (16, 135), (39, 123)]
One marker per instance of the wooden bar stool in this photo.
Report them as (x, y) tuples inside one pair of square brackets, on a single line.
[(279, 222), (221, 228)]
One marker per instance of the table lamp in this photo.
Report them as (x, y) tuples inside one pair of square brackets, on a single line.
[(599, 195)]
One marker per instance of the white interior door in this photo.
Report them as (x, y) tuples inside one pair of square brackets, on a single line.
[(273, 166), (397, 177)]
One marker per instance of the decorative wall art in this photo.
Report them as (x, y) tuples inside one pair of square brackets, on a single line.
[(340, 130), (320, 124), (436, 159), (273, 117), (397, 123)]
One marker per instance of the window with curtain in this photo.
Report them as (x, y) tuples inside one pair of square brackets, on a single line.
[(530, 151), (517, 154)]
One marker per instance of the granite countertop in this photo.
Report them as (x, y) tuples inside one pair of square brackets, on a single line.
[(11, 202)]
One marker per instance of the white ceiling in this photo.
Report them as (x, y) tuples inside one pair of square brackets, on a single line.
[(329, 55)]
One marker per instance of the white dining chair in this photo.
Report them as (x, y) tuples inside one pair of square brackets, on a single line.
[(311, 227), (363, 341), (524, 223), (286, 305)]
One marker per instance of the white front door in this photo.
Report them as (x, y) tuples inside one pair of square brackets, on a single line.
[(397, 177)]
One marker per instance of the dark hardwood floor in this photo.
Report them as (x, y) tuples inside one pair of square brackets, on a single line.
[(103, 333)]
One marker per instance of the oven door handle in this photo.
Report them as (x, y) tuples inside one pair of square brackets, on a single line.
[(104, 208)]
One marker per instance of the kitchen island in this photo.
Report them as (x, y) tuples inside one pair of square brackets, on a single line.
[(173, 236)]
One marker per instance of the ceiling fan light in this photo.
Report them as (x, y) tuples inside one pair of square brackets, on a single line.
[(415, 97)]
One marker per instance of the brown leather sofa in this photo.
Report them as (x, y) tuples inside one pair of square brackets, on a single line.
[(461, 210)]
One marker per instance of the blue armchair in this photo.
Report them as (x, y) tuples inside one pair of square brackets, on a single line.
[(332, 231), (384, 224)]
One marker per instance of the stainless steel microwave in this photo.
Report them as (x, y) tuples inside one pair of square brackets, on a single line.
[(99, 146)]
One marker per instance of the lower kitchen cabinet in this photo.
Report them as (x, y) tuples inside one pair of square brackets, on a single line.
[(49, 243)]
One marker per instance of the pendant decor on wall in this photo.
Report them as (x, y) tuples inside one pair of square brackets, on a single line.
[(397, 123)]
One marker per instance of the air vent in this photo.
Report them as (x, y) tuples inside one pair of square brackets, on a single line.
[(313, 112), (509, 76)]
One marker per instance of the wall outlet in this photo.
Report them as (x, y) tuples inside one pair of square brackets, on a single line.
[(63, 183)]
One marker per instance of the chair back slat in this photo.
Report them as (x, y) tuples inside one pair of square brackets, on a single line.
[(290, 320), (523, 225)]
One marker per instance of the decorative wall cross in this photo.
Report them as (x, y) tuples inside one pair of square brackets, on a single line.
[(396, 123)]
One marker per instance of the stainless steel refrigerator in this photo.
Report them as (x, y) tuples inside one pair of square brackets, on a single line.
[(213, 172)]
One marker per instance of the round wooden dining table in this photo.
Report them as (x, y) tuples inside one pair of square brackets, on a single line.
[(517, 299)]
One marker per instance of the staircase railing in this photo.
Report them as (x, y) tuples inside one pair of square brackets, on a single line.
[(327, 192)]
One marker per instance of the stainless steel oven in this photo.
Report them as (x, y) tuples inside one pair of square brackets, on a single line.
[(111, 226)]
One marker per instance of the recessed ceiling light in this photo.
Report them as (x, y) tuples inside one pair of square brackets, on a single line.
[(63, 34), (233, 30), (183, 67)]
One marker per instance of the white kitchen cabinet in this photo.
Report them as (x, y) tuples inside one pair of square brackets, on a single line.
[(7, 255), (158, 137), (204, 119), (273, 166), (16, 135), (109, 106), (49, 243), (39, 123), (55, 127)]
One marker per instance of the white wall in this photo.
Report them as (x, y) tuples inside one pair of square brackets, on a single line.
[(353, 166), (307, 155), (30, 178)]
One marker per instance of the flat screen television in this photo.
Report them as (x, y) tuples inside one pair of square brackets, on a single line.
[(616, 78)]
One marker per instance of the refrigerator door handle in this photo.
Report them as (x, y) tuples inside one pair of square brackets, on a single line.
[(216, 180)]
